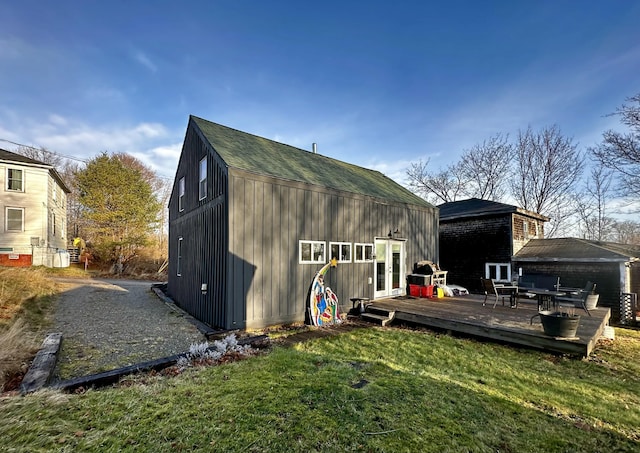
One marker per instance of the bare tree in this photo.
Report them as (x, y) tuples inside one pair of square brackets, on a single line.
[(621, 151), (150, 176), (592, 205), (548, 165), (626, 232), (41, 154), (439, 187), (486, 167), (75, 220)]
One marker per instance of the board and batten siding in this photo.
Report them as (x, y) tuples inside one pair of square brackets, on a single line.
[(242, 241), (267, 219), (202, 225)]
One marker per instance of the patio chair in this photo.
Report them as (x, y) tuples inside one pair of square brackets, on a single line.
[(577, 296), (498, 290)]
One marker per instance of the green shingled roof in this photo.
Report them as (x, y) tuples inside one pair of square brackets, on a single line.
[(266, 157)]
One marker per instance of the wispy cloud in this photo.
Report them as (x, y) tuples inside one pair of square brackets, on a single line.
[(152, 143), (145, 61), (396, 170)]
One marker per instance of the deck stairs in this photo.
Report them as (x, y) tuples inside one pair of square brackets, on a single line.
[(380, 316)]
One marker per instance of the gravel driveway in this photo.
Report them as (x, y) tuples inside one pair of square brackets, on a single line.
[(107, 324)]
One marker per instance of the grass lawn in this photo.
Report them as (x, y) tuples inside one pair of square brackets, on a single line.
[(370, 389)]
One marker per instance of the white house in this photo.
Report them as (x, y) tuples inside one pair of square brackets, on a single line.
[(33, 213)]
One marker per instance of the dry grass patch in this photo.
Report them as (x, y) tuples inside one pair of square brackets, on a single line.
[(25, 302), (17, 346)]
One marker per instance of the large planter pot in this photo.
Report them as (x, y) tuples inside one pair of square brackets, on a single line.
[(557, 324)]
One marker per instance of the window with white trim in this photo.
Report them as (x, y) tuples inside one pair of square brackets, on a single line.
[(179, 260), (14, 219), (181, 194), (202, 184), (53, 223), (340, 251), (363, 253), (498, 271), (15, 179), (312, 252)]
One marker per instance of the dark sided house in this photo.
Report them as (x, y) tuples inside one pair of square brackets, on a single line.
[(479, 237), (614, 268), (252, 220)]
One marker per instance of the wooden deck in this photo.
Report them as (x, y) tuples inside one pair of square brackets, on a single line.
[(467, 315)]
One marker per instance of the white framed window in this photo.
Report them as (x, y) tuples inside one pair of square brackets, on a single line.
[(312, 252), (179, 260), (363, 253), (202, 184), (15, 180), (14, 219), (53, 223), (498, 271), (340, 251), (181, 194), (55, 194)]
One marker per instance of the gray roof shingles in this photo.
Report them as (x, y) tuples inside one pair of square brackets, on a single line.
[(266, 157), (476, 207), (577, 249)]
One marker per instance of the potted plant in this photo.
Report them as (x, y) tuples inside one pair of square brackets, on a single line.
[(559, 323)]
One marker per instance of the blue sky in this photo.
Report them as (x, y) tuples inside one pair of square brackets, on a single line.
[(377, 84)]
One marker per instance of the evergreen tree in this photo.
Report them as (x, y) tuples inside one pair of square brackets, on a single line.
[(119, 206)]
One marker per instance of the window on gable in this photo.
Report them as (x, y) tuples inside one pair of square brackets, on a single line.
[(179, 260), (15, 219), (202, 186), (181, 195), (341, 251), (312, 252), (15, 179), (363, 253)]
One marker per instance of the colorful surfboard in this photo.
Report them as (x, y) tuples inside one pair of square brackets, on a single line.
[(323, 302)]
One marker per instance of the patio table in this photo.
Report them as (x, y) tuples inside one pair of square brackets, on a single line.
[(546, 298)]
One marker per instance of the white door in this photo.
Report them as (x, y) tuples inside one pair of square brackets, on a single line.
[(389, 268)]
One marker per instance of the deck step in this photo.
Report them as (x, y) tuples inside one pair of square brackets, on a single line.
[(381, 319), (378, 310)]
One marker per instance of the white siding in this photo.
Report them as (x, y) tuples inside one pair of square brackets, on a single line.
[(37, 200)]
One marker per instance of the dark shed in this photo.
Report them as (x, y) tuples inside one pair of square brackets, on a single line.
[(479, 237), (613, 267), (252, 220)]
